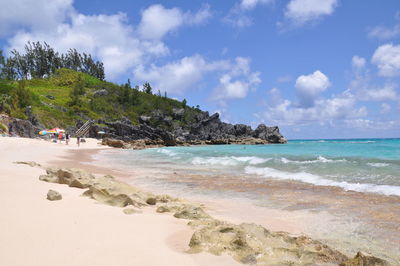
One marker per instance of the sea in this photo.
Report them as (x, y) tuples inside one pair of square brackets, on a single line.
[(363, 165), (343, 192)]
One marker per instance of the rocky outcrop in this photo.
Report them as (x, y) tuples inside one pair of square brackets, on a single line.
[(362, 259), (203, 130), (53, 195), (253, 244)]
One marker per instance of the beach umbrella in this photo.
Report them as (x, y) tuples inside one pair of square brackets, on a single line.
[(54, 130), (43, 132)]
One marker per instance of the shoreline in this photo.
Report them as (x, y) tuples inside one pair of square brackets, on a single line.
[(83, 159)]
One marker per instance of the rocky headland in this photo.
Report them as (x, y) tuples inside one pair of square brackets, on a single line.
[(247, 243)]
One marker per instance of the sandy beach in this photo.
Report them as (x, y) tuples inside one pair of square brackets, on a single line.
[(77, 230)]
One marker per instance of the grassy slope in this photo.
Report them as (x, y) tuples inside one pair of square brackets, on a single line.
[(59, 112)]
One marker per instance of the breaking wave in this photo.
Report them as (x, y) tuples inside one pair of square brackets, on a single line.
[(319, 181), (229, 160)]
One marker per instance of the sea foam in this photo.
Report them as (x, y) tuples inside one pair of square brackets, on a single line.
[(229, 160), (319, 181)]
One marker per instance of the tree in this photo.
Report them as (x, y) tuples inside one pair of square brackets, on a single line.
[(23, 95), (77, 91), (147, 88), (184, 102)]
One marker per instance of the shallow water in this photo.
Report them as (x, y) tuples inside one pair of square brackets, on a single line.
[(321, 177)]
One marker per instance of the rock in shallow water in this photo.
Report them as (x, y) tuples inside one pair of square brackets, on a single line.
[(53, 195), (362, 259)]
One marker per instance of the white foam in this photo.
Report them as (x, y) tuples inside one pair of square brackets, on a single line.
[(229, 160), (319, 181), (378, 164), (167, 152), (320, 159)]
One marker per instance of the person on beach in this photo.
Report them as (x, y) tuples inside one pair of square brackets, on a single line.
[(66, 139), (78, 141), (60, 137)]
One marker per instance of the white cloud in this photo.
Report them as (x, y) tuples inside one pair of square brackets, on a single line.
[(179, 76), (251, 4), (367, 124), (303, 11), (238, 81), (157, 20), (32, 14), (387, 92), (387, 59), (236, 77), (238, 15), (384, 33), (107, 37), (385, 108), (310, 86), (324, 110), (358, 62)]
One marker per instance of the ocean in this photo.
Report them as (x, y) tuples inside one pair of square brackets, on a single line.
[(344, 192), (363, 165)]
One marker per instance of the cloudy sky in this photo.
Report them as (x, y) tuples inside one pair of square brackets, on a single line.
[(316, 68)]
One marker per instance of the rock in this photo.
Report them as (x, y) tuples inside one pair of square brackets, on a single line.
[(31, 164), (191, 213), (151, 201), (178, 113), (144, 119), (162, 209), (53, 195), (365, 260), (71, 177), (130, 210), (253, 244), (101, 92), (116, 143), (50, 97), (23, 128), (271, 134)]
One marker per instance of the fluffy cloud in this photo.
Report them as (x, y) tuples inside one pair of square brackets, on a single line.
[(385, 108), (367, 124), (235, 80), (310, 86), (358, 62), (110, 38), (238, 81), (157, 20), (387, 59), (179, 76), (238, 15), (384, 33), (335, 108), (251, 4), (387, 92), (107, 37), (32, 14), (303, 11)]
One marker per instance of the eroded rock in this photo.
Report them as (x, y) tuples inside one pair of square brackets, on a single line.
[(362, 259), (191, 212), (53, 195)]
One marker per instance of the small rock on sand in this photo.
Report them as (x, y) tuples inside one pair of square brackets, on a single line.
[(53, 195), (130, 210)]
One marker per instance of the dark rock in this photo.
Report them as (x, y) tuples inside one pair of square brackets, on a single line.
[(151, 201), (50, 97), (23, 128)]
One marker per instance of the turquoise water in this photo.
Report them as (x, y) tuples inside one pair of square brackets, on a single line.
[(365, 165)]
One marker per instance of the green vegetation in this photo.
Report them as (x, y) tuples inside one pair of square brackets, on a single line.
[(68, 95), (62, 88)]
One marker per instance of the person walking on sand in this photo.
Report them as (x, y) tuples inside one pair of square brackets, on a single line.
[(60, 137), (78, 141), (66, 139)]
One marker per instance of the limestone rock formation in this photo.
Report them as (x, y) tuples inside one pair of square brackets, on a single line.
[(53, 195), (253, 244), (362, 259)]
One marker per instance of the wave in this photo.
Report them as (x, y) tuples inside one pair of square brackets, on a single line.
[(229, 161), (167, 152), (319, 181), (378, 164), (320, 159)]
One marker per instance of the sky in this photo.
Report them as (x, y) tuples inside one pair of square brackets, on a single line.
[(315, 68)]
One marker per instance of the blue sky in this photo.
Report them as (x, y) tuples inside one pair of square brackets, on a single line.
[(316, 68)]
